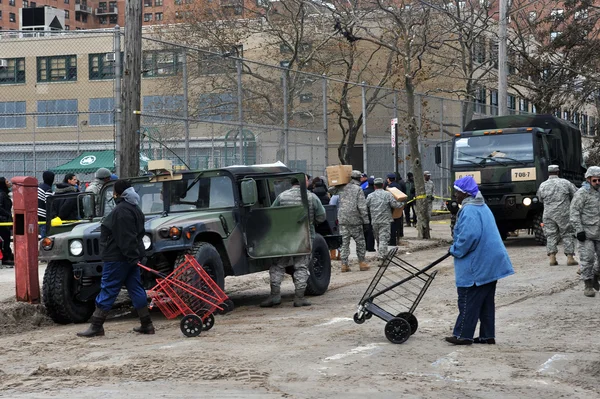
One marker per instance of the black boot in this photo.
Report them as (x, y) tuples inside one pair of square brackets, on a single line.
[(96, 328), (299, 299), (595, 282), (274, 299), (146, 321)]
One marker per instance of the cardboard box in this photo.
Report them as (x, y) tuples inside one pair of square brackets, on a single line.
[(338, 174), (399, 196)]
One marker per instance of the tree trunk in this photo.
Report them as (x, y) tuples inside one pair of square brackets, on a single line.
[(352, 132), (129, 158)]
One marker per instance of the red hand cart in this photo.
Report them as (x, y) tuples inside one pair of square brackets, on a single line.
[(189, 291)]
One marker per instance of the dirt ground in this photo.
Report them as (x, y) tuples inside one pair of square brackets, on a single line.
[(547, 334)]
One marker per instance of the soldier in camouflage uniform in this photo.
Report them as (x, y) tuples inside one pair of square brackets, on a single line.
[(380, 204), (585, 219), (556, 194), (316, 215), (429, 192), (352, 217), (102, 176)]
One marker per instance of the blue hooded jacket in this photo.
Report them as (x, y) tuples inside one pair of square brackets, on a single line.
[(480, 256)]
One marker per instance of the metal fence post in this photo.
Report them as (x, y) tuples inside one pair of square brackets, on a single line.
[(443, 147), (117, 98), (186, 121), (364, 112), (285, 118), (34, 150), (240, 100), (397, 134), (325, 127)]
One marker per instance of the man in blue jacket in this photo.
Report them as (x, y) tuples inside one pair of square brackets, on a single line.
[(480, 259)]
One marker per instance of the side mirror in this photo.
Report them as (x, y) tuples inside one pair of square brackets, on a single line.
[(86, 205), (438, 155), (249, 192)]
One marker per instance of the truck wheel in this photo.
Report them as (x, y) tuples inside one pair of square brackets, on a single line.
[(210, 260), (319, 268), (59, 289), (538, 230)]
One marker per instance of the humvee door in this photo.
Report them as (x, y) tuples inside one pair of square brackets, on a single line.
[(279, 230)]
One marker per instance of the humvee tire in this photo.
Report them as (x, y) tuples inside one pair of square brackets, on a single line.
[(208, 257), (538, 230), (59, 297), (319, 268)]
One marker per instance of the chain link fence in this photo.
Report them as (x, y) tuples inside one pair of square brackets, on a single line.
[(203, 108)]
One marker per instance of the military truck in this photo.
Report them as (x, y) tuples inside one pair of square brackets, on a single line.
[(223, 217), (508, 157)]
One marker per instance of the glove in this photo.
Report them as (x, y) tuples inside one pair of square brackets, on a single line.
[(581, 236)]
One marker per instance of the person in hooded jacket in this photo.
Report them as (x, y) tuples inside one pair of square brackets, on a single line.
[(6, 216), (44, 190), (65, 208), (320, 190), (121, 245)]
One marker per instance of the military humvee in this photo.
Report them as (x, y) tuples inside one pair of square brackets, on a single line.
[(509, 156), (223, 217)]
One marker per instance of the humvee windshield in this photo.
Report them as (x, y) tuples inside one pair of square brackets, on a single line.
[(493, 149), (206, 193)]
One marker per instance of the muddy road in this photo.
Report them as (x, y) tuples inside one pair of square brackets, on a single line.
[(547, 334)]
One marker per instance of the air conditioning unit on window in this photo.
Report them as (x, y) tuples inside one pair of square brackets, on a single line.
[(110, 57), (3, 63)]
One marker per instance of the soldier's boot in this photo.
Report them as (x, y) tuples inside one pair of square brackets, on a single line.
[(146, 326), (345, 268), (364, 266), (596, 283), (571, 260), (96, 328), (553, 261), (299, 299), (589, 289), (274, 299)]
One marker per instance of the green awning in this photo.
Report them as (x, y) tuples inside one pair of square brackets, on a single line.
[(91, 161)]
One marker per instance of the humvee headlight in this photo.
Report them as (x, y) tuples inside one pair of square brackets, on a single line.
[(175, 233), (147, 242), (526, 201), (47, 243), (76, 247)]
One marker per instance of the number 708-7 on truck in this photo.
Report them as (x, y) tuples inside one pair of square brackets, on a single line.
[(508, 157)]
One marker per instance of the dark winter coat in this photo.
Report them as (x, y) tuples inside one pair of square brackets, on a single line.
[(321, 191), (122, 230), (5, 207), (64, 208)]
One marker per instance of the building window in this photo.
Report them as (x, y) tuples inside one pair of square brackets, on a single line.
[(9, 115), (103, 20), (113, 19), (161, 63), (479, 50), (100, 68), (33, 4), (494, 102), (533, 109), (67, 27), (147, 17), (523, 105), (66, 1), (581, 14), (554, 35), (217, 106), (178, 15), (25, 3), (593, 130), (212, 62), (566, 115), (147, 3), (158, 2), (14, 71), (12, 17), (0, 11), (480, 101), (511, 104), (102, 5), (99, 118), (84, 17), (56, 113), (170, 106), (57, 69), (557, 13), (158, 16), (67, 15), (584, 124), (11, 2), (494, 53), (77, 16)]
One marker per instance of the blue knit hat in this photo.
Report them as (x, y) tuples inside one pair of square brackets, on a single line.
[(467, 185)]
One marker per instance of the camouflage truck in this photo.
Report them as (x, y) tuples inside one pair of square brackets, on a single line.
[(223, 217), (509, 156)]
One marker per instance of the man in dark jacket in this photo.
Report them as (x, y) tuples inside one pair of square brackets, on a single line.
[(397, 230), (411, 193), (121, 244), (369, 236), (6, 216), (44, 190)]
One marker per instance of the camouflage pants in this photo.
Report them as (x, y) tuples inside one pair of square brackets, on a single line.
[(356, 232), (301, 273), (429, 211), (382, 235), (589, 252), (554, 231)]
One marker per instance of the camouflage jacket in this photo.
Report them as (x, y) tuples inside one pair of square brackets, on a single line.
[(316, 211), (94, 187), (352, 205), (556, 194), (429, 190), (380, 205), (585, 211)]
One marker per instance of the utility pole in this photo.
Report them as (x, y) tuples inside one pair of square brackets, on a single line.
[(502, 59), (129, 156)]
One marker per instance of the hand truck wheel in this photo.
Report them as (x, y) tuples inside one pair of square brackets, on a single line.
[(208, 323), (368, 315), (191, 325), (359, 320), (412, 320), (397, 330)]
